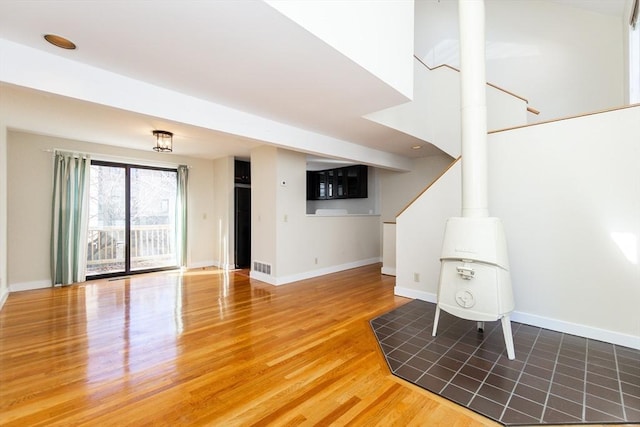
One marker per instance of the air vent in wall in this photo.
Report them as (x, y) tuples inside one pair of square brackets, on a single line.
[(262, 267)]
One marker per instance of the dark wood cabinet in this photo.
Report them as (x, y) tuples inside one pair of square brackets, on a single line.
[(341, 183), (242, 172)]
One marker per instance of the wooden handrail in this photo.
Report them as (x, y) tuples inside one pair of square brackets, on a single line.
[(529, 109), (533, 110), (511, 128), (429, 186), (608, 110)]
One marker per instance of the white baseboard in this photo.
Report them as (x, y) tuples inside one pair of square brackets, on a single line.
[(415, 294), (584, 331), (263, 277), (388, 271), (590, 332), (203, 264), (277, 281), (3, 298), (29, 286)]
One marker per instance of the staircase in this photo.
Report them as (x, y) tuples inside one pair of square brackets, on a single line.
[(568, 192), (434, 113)]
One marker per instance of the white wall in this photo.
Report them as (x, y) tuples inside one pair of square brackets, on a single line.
[(30, 172), (223, 212), (563, 190), (291, 195), (306, 245), (263, 206), (376, 35), (419, 233), (388, 248), (4, 286), (564, 60), (397, 189)]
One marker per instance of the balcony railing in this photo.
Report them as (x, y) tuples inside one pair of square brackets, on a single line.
[(152, 246)]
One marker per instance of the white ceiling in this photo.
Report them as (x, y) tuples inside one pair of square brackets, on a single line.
[(241, 54)]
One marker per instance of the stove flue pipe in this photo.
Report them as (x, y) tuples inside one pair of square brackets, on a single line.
[(473, 90), (475, 283)]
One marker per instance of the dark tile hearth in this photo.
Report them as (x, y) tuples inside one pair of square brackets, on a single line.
[(556, 378)]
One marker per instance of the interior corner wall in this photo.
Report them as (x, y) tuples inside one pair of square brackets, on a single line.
[(578, 55), (626, 32), (263, 206), (299, 246), (30, 169), (223, 208), (4, 287), (568, 193), (419, 235), (397, 189), (291, 207)]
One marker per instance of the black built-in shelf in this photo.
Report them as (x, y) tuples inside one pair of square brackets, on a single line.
[(340, 183)]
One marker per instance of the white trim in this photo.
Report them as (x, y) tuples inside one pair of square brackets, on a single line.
[(3, 298), (389, 271), (277, 281), (626, 340), (415, 294), (203, 264), (590, 332), (263, 277), (29, 286)]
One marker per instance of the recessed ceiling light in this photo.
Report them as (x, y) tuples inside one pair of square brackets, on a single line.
[(59, 41), (416, 147)]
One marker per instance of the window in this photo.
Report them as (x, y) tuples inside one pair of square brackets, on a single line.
[(634, 64), (132, 219)]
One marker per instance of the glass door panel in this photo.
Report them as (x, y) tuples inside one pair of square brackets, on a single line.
[(106, 251), (153, 209)]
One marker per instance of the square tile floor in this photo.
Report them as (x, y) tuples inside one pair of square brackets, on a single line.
[(556, 378)]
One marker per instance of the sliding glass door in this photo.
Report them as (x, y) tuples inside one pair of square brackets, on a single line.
[(132, 219)]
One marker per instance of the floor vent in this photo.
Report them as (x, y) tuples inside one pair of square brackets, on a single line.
[(262, 267)]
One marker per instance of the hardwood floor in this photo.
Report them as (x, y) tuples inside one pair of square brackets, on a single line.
[(208, 348)]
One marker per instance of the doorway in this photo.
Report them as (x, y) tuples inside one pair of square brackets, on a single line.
[(242, 213), (132, 219)]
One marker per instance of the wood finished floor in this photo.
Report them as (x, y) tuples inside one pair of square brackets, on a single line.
[(208, 348)]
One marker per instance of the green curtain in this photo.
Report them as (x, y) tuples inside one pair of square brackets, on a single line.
[(181, 216), (70, 216)]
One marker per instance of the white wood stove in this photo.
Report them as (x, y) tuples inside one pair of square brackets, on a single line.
[(475, 282)]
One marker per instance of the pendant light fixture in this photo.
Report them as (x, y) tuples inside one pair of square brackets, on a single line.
[(164, 141)]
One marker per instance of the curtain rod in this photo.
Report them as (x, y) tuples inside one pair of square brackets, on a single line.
[(121, 159)]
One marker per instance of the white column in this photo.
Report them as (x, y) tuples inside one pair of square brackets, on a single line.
[(473, 108)]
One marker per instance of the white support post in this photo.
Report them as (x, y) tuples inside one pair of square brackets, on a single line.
[(473, 92)]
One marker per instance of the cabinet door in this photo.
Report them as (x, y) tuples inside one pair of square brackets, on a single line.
[(311, 185), (242, 172), (330, 184), (340, 177), (316, 185), (356, 181)]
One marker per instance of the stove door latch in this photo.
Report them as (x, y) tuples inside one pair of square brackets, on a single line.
[(466, 272)]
